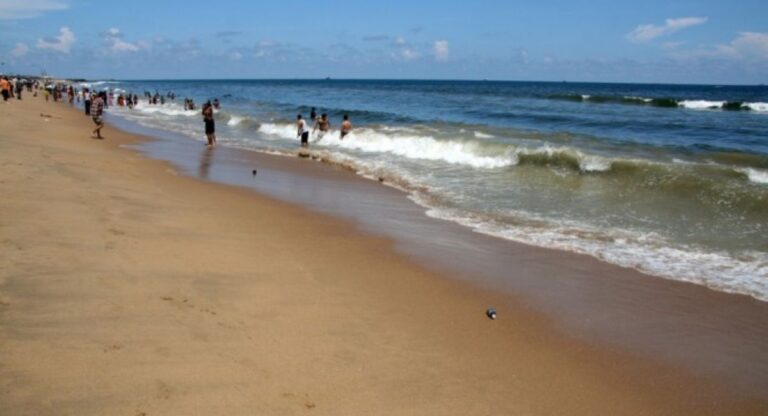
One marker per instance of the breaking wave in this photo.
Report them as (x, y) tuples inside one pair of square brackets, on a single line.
[(759, 107)]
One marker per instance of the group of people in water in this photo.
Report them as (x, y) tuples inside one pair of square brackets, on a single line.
[(189, 104), (321, 125)]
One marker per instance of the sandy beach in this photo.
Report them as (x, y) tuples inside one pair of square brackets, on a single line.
[(128, 288)]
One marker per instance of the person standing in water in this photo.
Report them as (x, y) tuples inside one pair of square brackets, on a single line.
[(346, 127), (322, 124), (210, 128), (301, 131), (86, 101)]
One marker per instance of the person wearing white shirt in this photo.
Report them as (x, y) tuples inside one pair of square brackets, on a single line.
[(302, 131)]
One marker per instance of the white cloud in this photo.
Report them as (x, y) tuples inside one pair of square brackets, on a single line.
[(440, 49), (235, 56), (747, 45), (266, 43), (62, 43), (24, 9), (646, 33), (409, 54), (400, 41), (120, 45), (113, 37), (20, 50)]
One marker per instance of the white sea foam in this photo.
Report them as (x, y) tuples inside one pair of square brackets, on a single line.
[(643, 99), (481, 135), (701, 104), (420, 147), (95, 83), (756, 175), (456, 151), (594, 164), (168, 109), (648, 252), (759, 107), (405, 145), (682, 162), (398, 129), (234, 121), (278, 131)]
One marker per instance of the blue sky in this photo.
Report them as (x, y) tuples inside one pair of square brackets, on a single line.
[(612, 41)]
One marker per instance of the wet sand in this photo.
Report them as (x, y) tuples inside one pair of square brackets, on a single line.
[(127, 287)]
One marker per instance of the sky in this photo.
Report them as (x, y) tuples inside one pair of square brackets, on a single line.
[(658, 41)]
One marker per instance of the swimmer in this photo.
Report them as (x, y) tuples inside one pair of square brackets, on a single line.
[(346, 127)]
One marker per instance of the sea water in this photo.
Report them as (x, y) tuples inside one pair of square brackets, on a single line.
[(671, 180)]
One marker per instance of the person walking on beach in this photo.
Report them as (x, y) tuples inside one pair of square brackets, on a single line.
[(210, 128), (301, 131), (96, 110), (6, 88), (346, 127), (19, 88)]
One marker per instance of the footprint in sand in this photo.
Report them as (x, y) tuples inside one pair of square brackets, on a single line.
[(164, 391), (183, 302), (115, 231), (309, 404), (113, 347)]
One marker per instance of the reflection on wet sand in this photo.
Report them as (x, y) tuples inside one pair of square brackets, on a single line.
[(205, 162)]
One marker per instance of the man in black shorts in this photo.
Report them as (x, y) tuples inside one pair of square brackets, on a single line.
[(210, 128), (302, 131)]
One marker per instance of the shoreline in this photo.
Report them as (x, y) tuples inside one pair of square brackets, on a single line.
[(283, 313), (497, 180)]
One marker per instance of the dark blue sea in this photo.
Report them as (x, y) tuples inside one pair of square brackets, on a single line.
[(668, 179)]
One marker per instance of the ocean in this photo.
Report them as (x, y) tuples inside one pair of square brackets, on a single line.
[(671, 180)]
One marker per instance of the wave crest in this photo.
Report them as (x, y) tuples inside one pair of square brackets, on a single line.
[(667, 102)]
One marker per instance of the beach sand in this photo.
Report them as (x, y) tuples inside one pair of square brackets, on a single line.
[(128, 288)]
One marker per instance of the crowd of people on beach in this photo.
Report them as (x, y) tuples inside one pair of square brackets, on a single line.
[(13, 88), (96, 102)]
